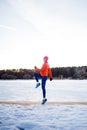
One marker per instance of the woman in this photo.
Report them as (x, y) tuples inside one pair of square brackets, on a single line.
[(43, 73)]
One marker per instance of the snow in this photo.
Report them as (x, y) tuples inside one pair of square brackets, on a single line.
[(43, 117)]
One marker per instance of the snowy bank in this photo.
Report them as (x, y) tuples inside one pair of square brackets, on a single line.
[(43, 117)]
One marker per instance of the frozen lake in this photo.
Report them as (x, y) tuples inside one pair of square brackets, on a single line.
[(43, 117), (57, 90)]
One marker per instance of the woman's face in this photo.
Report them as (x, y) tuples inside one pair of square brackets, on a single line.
[(44, 60)]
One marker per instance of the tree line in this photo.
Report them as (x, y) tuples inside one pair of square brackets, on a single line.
[(58, 73)]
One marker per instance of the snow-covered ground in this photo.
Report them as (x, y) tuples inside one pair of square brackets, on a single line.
[(43, 117)]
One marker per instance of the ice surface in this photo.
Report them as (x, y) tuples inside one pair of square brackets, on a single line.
[(57, 90)]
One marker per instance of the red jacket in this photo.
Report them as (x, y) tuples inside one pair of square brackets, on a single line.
[(45, 70)]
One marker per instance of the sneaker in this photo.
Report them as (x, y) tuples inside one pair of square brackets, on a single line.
[(37, 85), (44, 101)]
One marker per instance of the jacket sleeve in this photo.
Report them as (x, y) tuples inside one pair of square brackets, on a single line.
[(41, 69), (50, 73), (37, 69)]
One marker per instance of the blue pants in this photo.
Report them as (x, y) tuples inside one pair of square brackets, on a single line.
[(43, 83)]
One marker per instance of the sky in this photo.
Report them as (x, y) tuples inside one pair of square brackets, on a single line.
[(31, 29)]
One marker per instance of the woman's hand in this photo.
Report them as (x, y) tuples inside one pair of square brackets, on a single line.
[(51, 79)]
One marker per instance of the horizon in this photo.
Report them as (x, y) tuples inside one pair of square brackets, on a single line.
[(29, 30)]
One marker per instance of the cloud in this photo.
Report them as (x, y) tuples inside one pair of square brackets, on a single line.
[(8, 27), (33, 12)]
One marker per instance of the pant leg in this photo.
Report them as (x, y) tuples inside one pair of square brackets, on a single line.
[(44, 78), (37, 76)]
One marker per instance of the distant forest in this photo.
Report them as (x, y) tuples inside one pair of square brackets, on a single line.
[(58, 73)]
